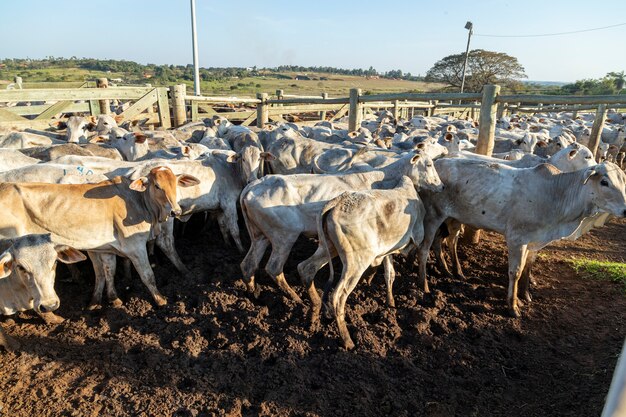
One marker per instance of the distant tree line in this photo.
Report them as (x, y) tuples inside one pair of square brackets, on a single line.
[(172, 73)]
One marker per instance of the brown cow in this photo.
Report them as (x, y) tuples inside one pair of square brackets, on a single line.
[(115, 217)]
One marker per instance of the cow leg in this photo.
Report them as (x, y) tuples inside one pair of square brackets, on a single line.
[(75, 273), (441, 260), (517, 258), (151, 247), (98, 287), (307, 270), (142, 266), (430, 231), (221, 222), (390, 276), (165, 242), (455, 227), (108, 263), (526, 278), (7, 341), (252, 261), (276, 262), (230, 214), (352, 271)]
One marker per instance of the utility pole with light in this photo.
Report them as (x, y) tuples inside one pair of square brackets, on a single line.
[(194, 41), (469, 26)]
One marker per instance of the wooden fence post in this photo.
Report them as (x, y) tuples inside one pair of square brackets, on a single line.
[(356, 110), (434, 108), (104, 104), (596, 129), (262, 110), (487, 123), (484, 146), (177, 95), (163, 107), (396, 109), (500, 111), (323, 112)]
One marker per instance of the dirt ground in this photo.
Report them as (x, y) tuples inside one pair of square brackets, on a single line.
[(213, 350)]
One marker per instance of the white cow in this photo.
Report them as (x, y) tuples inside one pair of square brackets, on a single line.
[(27, 270)]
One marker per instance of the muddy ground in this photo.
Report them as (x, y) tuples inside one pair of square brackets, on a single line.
[(215, 351)]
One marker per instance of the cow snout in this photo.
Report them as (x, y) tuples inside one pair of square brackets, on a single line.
[(175, 212), (48, 308)]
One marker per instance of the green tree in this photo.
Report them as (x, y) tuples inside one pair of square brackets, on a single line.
[(618, 79), (483, 67)]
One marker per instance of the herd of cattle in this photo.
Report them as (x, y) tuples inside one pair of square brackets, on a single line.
[(392, 186)]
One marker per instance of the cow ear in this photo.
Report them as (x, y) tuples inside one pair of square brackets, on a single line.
[(118, 118), (99, 139), (139, 184), (140, 137), (415, 158), (572, 153), (268, 156), (6, 264), (186, 150), (69, 255), (590, 172), (234, 157), (542, 143), (185, 180), (420, 145), (449, 128), (353, 134), (58, 124), (448, 137)]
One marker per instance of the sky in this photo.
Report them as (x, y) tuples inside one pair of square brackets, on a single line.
[(406, 35)]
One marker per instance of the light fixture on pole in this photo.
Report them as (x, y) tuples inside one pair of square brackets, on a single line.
[(194, 41), (469, 26)]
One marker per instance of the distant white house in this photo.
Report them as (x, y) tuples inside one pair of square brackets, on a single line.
[(116, 80)]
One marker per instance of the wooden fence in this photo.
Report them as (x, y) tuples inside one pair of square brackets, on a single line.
[(172, 106)]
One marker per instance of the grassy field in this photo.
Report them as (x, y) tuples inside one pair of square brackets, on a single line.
[(334, 85), (613, 271)]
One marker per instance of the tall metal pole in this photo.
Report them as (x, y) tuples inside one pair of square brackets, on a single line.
[(194, 37), (469, 26)]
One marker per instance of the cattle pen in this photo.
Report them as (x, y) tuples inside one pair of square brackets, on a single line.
[(215, 348), (172, 106)]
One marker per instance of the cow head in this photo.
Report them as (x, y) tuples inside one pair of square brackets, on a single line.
[(131, 146), (422, 172), (104, 123), (608, 182), (77, 128), (430, 147), (160, 186), (250, 160), (527, 143), (30, 264)]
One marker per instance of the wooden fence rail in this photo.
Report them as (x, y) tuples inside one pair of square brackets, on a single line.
[(172, 106)]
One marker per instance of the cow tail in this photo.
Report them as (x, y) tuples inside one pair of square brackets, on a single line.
[(324, 242)]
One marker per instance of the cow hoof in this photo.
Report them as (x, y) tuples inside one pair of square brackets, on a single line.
[(116, 303), (348, 344), (93, 306), (51, 318), (514, 312), (527, 297), (160, 300)]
